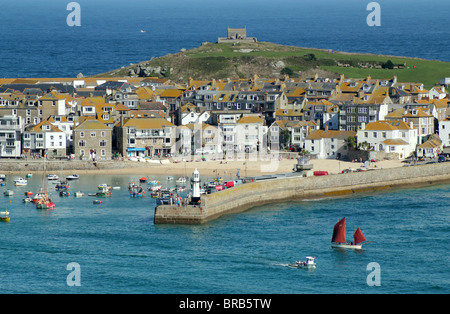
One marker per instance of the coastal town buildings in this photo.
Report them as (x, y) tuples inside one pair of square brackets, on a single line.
[(153, 117)]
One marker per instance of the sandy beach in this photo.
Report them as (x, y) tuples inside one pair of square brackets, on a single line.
[(244, 167)]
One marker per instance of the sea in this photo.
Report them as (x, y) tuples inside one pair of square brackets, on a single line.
[(36, 40), (116, 247)]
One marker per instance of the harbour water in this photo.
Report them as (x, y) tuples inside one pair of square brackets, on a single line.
[(120, 250)]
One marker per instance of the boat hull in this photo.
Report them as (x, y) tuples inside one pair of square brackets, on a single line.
[(5, 219), (346, 246)]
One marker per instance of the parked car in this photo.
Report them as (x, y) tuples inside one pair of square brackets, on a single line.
[(442, 158)]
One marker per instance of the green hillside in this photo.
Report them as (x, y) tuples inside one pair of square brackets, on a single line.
[(265, 59)]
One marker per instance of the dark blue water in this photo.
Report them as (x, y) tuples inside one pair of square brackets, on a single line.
[(120, 250), (36, 41)]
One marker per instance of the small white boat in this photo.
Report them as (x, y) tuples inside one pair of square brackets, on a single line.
[(8, 193), (73, 177), (79, 194), (309, 263), (52, 177), (181, 180), (116, 187), (170, 178), (28, 200), (20, 182)]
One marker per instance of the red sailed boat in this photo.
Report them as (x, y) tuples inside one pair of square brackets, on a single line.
[(339, 241)]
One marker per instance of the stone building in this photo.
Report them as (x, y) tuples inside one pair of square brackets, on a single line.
[(92, 140)]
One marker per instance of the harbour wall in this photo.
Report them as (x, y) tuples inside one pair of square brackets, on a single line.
[(243, 197)]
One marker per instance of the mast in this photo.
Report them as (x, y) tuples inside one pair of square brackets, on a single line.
[(339, 232), (358, 236)]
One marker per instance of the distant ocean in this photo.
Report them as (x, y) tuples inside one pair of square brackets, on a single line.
[(36, 41)]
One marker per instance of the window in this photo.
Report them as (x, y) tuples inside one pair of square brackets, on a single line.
[(375, 134), (81, 134), (82, 143), (103, 152), (102, 143), (366, 134), (93, 134), (384, 134), (103, 134)]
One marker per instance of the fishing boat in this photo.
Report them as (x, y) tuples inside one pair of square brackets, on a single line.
[(4, 216), (73, 177), (63, 193), (8, 193), (104, 192), (97, 201), (62, 185), (2, 177), (43, 201), (309, 263), (340, 242), (20, 182), (52, 177), (79, 194), (136, 190)]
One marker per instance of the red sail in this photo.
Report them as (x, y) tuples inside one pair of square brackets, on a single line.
[(339, 232), (358, 236)]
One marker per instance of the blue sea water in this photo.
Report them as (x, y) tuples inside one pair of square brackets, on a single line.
[(37, 42), (120, 250), (116, 244)]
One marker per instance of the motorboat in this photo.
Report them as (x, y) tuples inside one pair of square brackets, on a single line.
[(20, 182), (97, 202), (79, 194), (73, 177), (28, 200), (8, 193), (309, 263), (4, 216), (339, 241), (52, 177)]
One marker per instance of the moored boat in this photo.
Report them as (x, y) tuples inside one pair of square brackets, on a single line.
[(97, 202), (62, 185), (8, 193), (52, 177), (73, 177), (20, 182), (4, 216), (79, 194), (339, 240), (104, 192)]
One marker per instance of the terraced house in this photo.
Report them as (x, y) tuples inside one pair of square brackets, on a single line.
[(141, 137), (92, 140)]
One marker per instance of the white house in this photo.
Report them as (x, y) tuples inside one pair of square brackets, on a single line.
[(250, 133), (444, 132), (438, 92), (190, 114), (389, 136), (328, 144)]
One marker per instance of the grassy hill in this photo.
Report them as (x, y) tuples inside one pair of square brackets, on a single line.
[(243, 60)]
